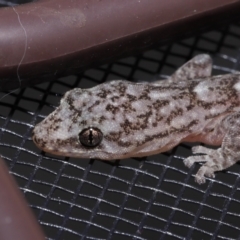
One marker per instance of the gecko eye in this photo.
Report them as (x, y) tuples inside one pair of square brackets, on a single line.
[(90, 137)]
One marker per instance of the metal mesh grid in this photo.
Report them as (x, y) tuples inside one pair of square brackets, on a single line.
[(151, 198)]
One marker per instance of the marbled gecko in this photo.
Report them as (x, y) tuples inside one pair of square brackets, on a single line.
[(121, 119)]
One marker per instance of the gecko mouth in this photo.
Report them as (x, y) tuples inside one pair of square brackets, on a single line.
[(43, 145)]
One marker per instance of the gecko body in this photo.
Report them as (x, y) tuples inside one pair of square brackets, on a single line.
[(121, 119)]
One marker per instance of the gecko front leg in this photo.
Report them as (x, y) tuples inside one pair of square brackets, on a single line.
[(221, 158)]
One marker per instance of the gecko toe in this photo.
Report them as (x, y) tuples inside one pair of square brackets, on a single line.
[(188, 162), (209, 172), (210, 175), (200, 179), (196, 149), (202, 150)]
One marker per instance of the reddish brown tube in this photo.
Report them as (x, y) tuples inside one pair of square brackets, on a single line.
[(58, 37), (16, 218)]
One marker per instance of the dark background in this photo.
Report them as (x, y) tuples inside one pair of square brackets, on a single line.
[(152, 198)]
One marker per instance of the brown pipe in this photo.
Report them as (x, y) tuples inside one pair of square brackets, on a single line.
[(16, 219), (51, 38)]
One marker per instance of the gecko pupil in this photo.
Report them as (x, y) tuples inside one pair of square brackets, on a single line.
[(90, 137)]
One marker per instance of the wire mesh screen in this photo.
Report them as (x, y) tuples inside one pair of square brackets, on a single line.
[(150, 198)]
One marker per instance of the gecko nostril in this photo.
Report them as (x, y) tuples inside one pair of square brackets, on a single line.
[(90, 137)]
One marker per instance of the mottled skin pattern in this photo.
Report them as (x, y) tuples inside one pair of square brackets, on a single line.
[(140, 119)]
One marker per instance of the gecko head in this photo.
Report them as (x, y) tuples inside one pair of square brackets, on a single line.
[(93, 123)]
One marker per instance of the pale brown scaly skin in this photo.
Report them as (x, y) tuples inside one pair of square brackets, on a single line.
[(120, 119)]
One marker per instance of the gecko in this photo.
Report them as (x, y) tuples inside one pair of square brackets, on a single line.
[(121, 119)]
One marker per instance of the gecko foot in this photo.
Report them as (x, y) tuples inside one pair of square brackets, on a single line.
[(213, 162)]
